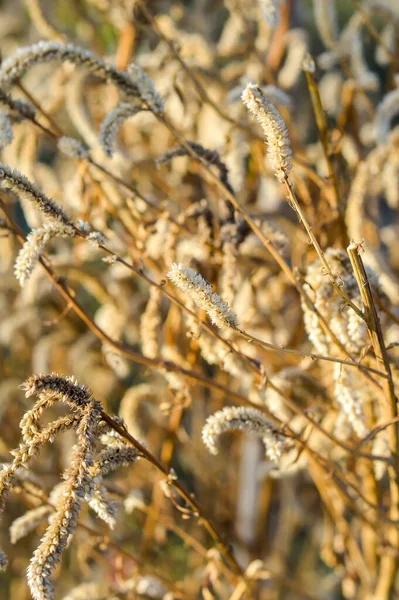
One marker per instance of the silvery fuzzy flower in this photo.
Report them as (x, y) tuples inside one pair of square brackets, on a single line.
[(35, 245), (23, 525), (113, 121), (64, 521), (20, 185), (72, 147), (16, 65), (275, 130), (200, 291), (234, 418), (6, 132), (146, 88)]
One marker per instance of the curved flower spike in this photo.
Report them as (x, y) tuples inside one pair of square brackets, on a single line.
[(234, 418)]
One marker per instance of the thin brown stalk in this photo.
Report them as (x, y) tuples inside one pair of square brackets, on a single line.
[(276, 348), (297, 207)]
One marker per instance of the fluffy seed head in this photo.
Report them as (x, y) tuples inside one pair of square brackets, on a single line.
[(274, 128), (200, 291), (65, 389), (19, 184), (72, 147), (28, 522), (233, 418), (34, 247), (113, 121), (147, 90)]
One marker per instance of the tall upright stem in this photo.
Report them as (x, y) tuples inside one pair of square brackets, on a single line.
[(389, 560)]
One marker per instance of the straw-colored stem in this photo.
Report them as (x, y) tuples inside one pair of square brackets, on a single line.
[(297, 207), (322, 126), (389, 561), (341, 361)]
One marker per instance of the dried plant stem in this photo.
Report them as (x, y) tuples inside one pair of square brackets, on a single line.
[(252, 363), (287, 583), (57, 131), (167, 449), (126, 44), (203, 94), (268, 245), (370, 490), (192, 375), (276, 51), (322, 126), (334, 506), (42, 24), (296, 206), (328, 331), (341, 361), (389, 562)]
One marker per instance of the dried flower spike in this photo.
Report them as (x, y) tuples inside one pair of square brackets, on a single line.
[(16, 65), (200, 291), (64, 521), (22, 526), (112, 123), (34, 247), (147, 90), (19, 184), (274, 128), (73, 148), (235, 418), (64, 389)]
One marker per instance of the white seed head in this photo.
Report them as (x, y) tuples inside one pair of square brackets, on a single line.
[(200, 291), (34, 247), (19, 184), (234, 418), (146, 88), (274, 128), (28, 522), (72, 147), (113, 121)]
